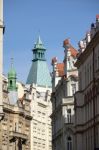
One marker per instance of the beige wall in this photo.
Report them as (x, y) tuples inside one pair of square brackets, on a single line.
[(15, 124), (41, 130)]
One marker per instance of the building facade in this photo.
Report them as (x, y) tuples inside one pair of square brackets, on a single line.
[(64, 83), (1, 56), (15, 125), (86, 99), (15, 114), (39, 83)]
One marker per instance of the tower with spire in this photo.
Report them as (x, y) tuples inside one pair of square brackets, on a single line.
[(39, 73), (39, 81), (12, 87)]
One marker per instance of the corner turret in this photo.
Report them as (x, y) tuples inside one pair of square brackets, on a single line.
[(12, 79)]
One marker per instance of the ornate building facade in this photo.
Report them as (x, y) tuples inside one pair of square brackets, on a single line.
[(87, 98), (64, 85), (1, 56), (39, 83), (15, 125), (15, 116)]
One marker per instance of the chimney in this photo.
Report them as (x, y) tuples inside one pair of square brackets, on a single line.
[(88, 37), (97, 18), (93, 29), (66, 43), (54, 60), (82, 45)]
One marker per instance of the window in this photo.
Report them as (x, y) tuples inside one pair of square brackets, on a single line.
[(69, 143), (39, 55), (73, 88), (16, 127), (11, 82), (69, 115)]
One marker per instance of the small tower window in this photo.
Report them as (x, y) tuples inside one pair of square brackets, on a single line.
[(11, 82), (39, 55)]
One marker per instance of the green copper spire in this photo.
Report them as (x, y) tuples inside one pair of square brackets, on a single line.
[(39, 73), (39, 43), (12, 78), (39, 50)]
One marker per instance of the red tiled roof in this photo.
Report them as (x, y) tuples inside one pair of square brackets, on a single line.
[(60, 68)]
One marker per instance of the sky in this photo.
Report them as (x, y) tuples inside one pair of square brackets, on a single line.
[(53, 20)]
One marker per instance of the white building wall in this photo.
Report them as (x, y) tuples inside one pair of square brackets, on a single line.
[(41, 108)]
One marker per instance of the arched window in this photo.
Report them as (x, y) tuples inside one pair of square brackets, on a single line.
[(69, 143)]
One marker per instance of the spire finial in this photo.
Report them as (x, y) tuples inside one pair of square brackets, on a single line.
[(39, 42), (12, 62), (39, 32)]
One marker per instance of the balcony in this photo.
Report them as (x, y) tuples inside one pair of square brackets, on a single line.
[(16, 135), (69, 121)]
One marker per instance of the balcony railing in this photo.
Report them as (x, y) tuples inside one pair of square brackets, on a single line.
[(17, 135), (69, 121)]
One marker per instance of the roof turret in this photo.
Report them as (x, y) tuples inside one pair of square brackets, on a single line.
[(12, 72), (39, 73), (39, 50), (12, 78)]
